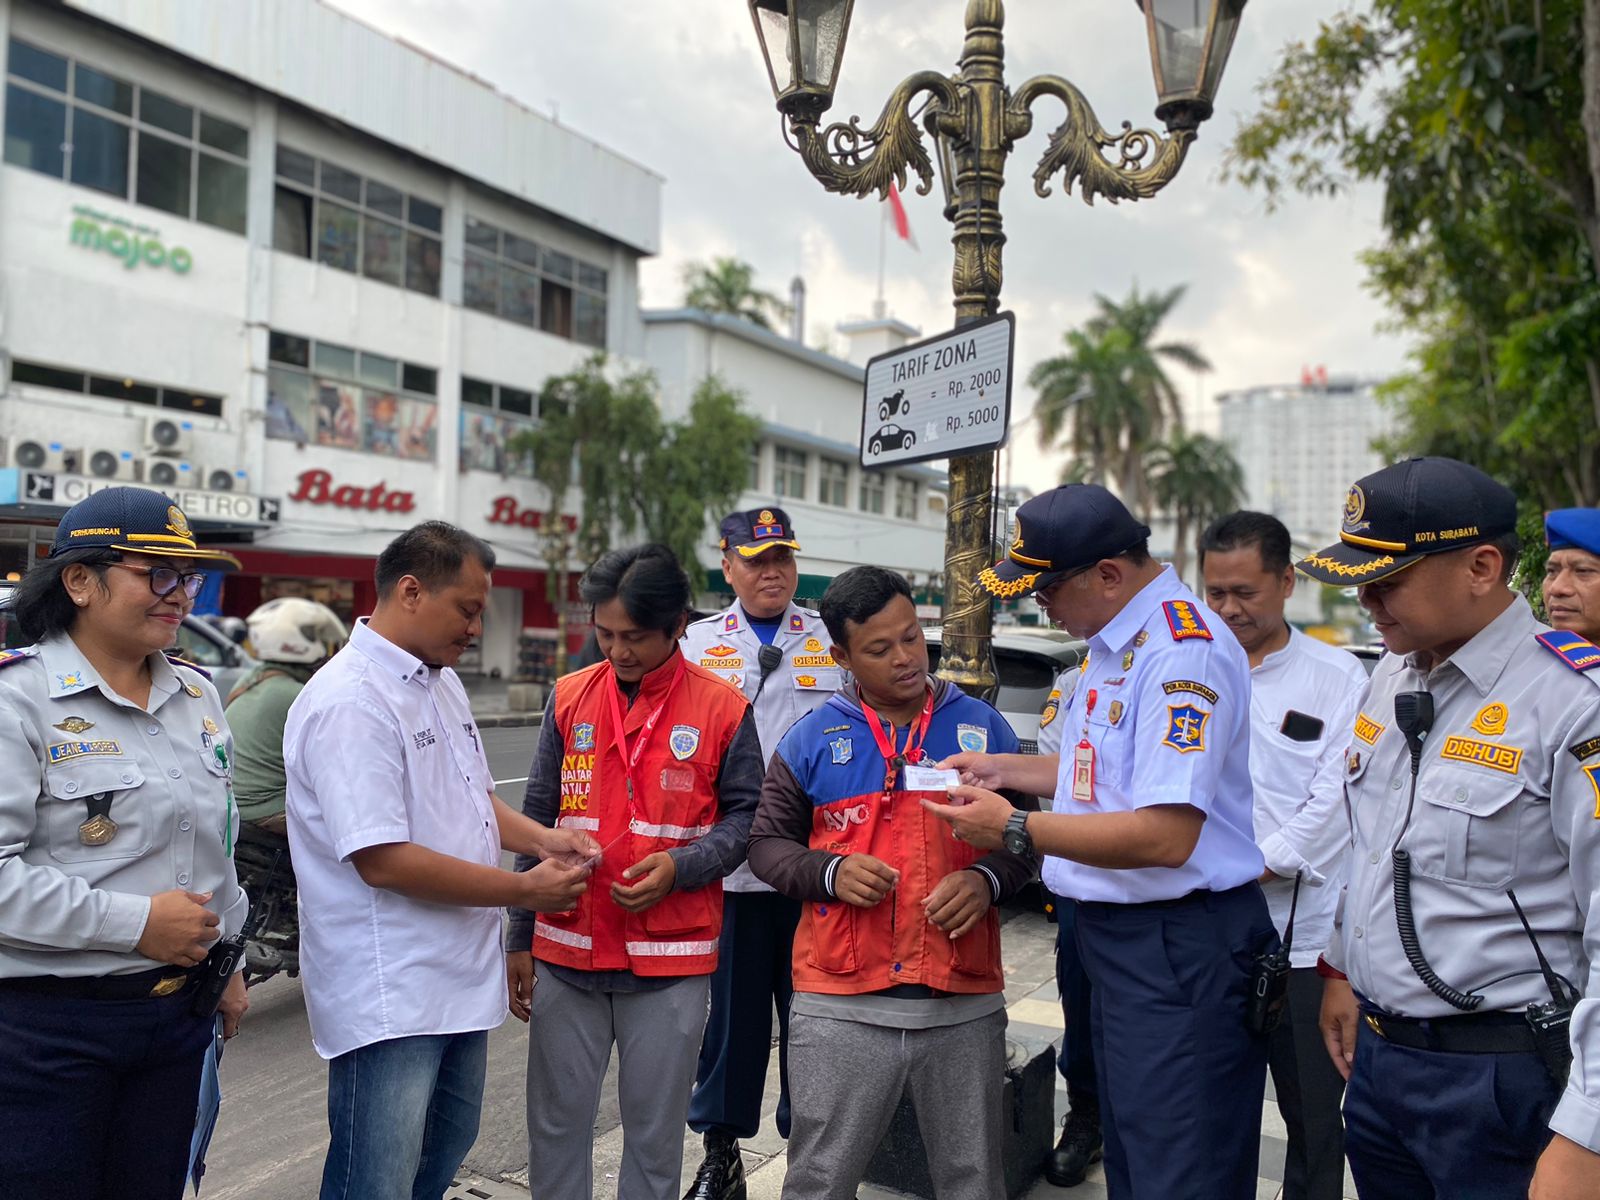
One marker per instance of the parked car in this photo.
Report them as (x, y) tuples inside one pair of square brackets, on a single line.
[(1027, 660), (198, 641)]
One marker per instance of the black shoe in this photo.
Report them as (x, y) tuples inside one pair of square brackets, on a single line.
[(1078, 1147), (721, 1175)]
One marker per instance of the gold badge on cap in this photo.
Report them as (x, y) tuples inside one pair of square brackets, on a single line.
[(177, 522), (74, 725), (1355, 506), (765, 516)]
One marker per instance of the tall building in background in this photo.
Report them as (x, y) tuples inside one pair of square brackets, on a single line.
[(1301, 446)]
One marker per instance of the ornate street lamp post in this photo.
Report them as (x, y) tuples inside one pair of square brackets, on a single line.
[(975, 120)]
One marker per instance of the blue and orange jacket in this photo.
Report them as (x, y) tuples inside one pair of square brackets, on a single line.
[(823, 799)]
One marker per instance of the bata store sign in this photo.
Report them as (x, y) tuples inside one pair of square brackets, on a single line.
[(318, 487), (505, 510)]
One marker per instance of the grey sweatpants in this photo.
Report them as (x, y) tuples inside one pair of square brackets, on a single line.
[(570, 1034), (846, 1079)]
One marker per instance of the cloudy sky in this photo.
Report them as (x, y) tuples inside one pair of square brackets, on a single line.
[(678, 85)]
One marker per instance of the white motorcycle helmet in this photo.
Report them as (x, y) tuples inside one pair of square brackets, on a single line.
[(294, 630)]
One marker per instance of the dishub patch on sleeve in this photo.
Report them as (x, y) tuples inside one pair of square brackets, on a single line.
[(1184, 621)]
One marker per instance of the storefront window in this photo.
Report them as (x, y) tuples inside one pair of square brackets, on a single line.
[(123, 139), (355, 224), (349, 399)]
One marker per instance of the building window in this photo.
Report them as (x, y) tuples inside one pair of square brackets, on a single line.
[(336, 396), (511, 277), (129, 391), (872, 492), (355, 224), (70, 121), (788, 472), (835, 482), (755, 467), (905, 499), (491, 415)]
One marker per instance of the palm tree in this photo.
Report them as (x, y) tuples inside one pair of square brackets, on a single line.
[(1112, 390), (727, 286), (1196, 479)]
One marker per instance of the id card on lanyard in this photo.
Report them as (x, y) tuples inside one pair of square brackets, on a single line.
[(911, 752), (619, 735), (1083, 759)]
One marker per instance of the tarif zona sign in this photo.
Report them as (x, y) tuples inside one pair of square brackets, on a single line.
[(945, 396)]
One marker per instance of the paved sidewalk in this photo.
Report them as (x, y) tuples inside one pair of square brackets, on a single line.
[(1034, 1008)]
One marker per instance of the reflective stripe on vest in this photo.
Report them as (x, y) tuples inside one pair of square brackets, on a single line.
[(592, 824), (670, 949), (565, 937), (682, 833)]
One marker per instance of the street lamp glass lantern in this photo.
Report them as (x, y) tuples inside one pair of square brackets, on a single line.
[(803, 44), (1189, 45)]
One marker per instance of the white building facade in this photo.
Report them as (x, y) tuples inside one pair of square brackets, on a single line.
[(303, 277), (807, 460)]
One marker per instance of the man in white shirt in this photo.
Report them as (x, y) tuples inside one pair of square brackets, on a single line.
[(396, 835), (1303, 700)]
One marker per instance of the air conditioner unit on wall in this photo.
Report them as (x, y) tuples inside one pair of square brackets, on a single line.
[(111, 464), (42, 454), (169, 472), (169, 437), (220, 479)]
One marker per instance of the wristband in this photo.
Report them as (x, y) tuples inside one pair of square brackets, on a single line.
[(1328, 971)]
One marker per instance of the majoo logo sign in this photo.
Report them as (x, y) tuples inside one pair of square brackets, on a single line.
[(131, 244)]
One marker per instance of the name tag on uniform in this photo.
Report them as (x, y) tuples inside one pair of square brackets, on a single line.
[(1083, 773), (930, 779)]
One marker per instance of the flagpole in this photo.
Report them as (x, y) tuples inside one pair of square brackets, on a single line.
[(883, 220)]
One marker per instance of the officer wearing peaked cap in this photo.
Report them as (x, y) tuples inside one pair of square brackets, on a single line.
[(1473, 784), (1572, 572), (1151, 833), (116, 870), (776, 653)]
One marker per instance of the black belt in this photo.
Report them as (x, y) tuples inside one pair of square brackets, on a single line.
[(140, 985), (1198, 896), (1470, 1033)]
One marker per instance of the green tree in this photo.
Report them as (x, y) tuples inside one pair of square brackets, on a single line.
[(1110, 392), (1196, 479), (603, 434), (698, 470), (727, 286), (1481, 122)]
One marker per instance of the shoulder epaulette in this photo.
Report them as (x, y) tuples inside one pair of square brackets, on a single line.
[(11, 657), (179, 661), (1578, 653), (1184, 621)]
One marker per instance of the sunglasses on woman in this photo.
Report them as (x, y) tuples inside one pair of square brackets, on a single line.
[(166, 580)]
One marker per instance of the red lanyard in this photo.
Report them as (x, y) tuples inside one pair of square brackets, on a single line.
[(912, 753), (619, 734)]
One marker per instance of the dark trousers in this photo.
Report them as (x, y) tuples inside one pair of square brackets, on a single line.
[(1429, 1125), (1309, 1090), (97, 1097), (1181, 1079), (753, 973), (1076, 1061)]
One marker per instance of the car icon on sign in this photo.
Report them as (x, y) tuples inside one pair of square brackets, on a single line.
[(892, 437)]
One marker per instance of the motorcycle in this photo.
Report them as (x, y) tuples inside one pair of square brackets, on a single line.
[(267, 877)]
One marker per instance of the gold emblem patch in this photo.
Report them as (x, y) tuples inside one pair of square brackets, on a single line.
[(75, 725), (813, 646), (1484, 754), (1127, 660), (765, 516), (1367, 729), (1355, 506), (1114, 713), (177, 522), (1141, 637), (1491, 720)]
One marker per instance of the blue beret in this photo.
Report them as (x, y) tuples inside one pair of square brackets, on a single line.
[(1573, 528)]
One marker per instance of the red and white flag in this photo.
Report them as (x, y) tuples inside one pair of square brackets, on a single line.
[(902, 225)]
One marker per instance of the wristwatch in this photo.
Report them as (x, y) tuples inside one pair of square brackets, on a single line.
[(1016, 836)]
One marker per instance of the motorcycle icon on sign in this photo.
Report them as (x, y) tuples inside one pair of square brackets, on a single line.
[(894, 406), (892, 437)]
